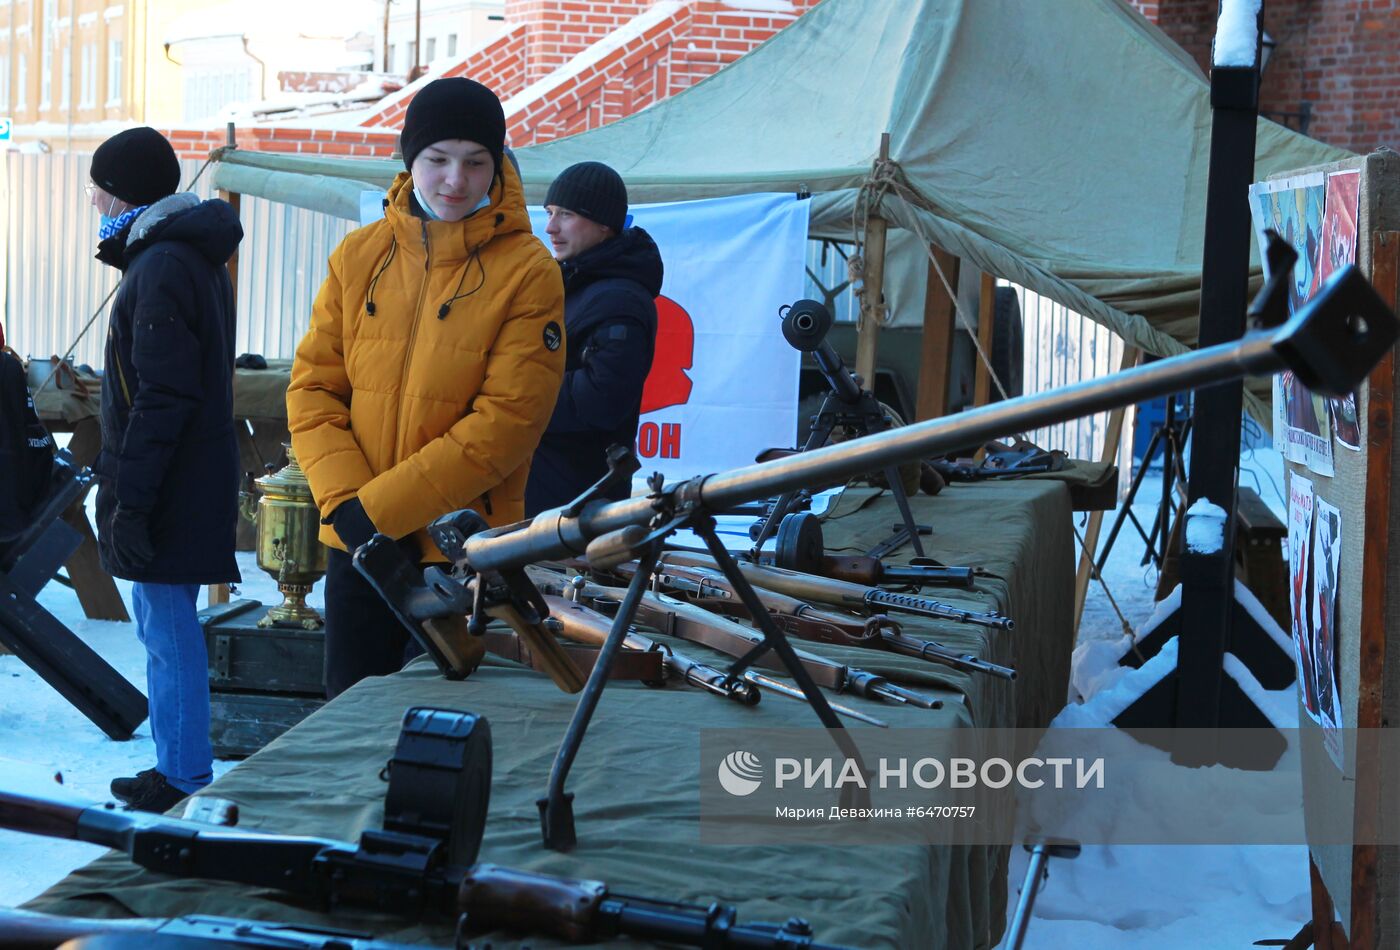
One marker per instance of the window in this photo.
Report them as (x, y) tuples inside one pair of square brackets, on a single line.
[(389, 59), (432, 49), (88, 86), (22, 81), (45, 76), (65, 77), (451, 44), (4, 82), (114, 72), (410, 55)]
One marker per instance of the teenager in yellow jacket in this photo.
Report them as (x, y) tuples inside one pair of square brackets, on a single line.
[(433, 362)]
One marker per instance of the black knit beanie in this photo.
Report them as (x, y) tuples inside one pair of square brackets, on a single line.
[(137, 166), (455, 108), (593, 190)]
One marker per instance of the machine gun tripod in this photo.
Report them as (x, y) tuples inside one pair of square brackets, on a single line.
[(847, 405)]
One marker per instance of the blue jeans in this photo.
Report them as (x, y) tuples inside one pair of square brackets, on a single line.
[(177, 681)]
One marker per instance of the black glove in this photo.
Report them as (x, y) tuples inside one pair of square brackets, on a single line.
[(131, 537), (352, 524)]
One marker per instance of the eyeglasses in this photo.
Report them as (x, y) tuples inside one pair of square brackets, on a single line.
[(89, 189)]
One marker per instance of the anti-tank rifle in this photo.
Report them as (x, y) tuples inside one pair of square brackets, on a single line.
[(1330, 344)]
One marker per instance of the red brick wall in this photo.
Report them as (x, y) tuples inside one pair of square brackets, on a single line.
[(558, 30), (1342, 57), (679, 50), (332, 142)]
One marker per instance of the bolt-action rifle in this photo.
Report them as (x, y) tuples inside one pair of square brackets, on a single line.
[(712, 590), (397, 873), (824, 590), (576, 622), (688, 622)]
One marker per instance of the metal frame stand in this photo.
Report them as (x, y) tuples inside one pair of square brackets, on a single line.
[(1171, 438), (1198, 694)]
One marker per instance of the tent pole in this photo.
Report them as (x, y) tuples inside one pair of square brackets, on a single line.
[(218, 593), (1112, 437), (872, 291), (936, 345), (986, 327)]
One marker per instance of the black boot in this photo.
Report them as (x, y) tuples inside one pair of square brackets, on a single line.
[(157, 795), (125, 789)]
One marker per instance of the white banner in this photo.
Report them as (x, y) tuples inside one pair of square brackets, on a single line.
[(723, 384)]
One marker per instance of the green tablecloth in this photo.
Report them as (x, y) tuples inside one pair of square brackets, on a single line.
[(636, 779)]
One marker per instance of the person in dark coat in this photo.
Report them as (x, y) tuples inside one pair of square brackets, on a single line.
[(612, 276), (168, 472)]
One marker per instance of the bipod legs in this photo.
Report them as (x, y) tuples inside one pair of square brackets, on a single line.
[(557, 808), (777, 641)]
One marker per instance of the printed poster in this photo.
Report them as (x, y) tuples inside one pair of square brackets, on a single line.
[(723, 382), (1293, 207), (1300, 519), (1327, 555), (1338, 249)]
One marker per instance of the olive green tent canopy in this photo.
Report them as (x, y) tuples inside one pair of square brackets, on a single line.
[(1063, 146)]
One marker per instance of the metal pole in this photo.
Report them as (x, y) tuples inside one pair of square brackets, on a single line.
[(1207, 578)]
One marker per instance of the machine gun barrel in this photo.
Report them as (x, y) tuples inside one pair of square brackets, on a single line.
[(1331, 344)]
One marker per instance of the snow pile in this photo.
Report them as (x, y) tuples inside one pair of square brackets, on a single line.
[(1205, 527), (1236, 33)]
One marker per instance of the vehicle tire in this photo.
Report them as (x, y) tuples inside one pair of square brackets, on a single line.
[(1008, 343)]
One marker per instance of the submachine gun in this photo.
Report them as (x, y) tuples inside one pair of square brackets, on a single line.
[(1331, 344), (420, 865)]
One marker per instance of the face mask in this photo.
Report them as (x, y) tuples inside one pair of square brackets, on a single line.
[(106, 222), (433, 215)]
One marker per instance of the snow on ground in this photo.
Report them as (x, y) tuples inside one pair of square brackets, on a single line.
[(41, 729), (1110, 896), (1142, 896)]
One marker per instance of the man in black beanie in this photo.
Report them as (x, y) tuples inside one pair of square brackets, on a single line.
[(168, 472), (612, 276)]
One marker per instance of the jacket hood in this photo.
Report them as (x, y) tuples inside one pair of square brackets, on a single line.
[(210, 227), (632, 255), (455, 240)]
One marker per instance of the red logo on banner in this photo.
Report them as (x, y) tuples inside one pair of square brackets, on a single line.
[(668, 384)]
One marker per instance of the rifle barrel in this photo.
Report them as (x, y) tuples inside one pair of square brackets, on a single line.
[(1323, 342)]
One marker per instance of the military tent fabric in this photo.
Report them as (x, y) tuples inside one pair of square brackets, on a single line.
[(1063, 146)]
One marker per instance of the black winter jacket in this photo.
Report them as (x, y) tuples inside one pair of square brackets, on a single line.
[(610, 323), (167, 392), (26, 451)]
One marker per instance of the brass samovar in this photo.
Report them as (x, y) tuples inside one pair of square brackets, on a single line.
[(288, 549)]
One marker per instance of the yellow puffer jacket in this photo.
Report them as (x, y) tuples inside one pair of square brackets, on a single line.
[(416, 412)]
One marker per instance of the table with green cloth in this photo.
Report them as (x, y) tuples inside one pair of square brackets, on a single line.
[(259, 408), (636, 779)]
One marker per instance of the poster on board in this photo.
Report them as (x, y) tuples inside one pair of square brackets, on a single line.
[(1300, 519), (1337, 250), (1326, 563), (1293, 207)]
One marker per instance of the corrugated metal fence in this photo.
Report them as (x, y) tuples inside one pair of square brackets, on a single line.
[(1063, 347), (51, 284)]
